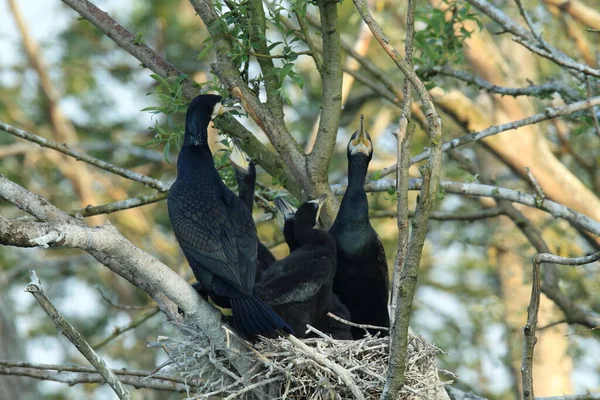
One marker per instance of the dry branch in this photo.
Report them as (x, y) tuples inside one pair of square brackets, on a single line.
[(63, 148), (74, 375), (64, 327), (549, 113)]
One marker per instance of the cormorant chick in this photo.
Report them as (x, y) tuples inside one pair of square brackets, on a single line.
[(285, 217), (245, 174), (299, 286), (361, 279), (214, 228)]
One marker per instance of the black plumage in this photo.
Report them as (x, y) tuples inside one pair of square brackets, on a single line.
[(361, 279), (245, 175), (299, 286), (215, 229)]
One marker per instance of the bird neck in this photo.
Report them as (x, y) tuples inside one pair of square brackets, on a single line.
[(196, 128), (309, 236), (355, 206), (357, 172), (246, 183), (194, 160), (290, 235)]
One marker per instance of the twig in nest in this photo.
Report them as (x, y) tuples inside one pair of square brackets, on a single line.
[(364, 326)]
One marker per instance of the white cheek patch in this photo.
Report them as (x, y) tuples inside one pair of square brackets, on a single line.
[(216, 111), (360, 148)]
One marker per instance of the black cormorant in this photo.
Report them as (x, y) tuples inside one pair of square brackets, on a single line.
[(215, 229), (361, 280), (245, 174), (299, 286)]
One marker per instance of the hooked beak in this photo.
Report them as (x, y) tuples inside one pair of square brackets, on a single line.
[(238, 159), (227, 105), (285, 211), (361, 143), (319, 201)]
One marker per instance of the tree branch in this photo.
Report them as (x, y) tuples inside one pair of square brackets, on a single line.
[(549, 113), (63, 326), (125, 173), (119, 330), (479, 190), (545, 89), (331, 76), (530, 340), (74, 375), (267, 159)]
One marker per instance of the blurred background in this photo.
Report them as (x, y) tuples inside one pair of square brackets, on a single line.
[(62, 79)]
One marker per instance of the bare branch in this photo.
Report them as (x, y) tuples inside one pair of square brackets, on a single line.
[(120, 205), (549, 113), (530, 340), (331, 103), (551, 258), (134, 176), (446, 216), (80, 374), (479, 190), (545, 89), (63, 326), (119, 330)]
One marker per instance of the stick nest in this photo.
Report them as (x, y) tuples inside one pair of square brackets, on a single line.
[(284, 369)]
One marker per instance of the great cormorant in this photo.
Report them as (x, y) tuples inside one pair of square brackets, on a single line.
[(245, 174), (215, 229), (299, 286), (361, 279)]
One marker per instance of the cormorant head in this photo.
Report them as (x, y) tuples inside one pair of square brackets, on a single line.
[(240, 161), (199, 114), (360, 142), (285, 211), (308, 213)]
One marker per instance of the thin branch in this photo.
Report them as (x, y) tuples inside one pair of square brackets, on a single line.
[(120, 205), (119, 330), (526, 38), (551, 258), (149, 58), (535, 184), (63, 326), (545, 89), (480, 190), (530, 340), (125, 173), (446, 216), (349, 323), (564, 61), (81, 374), (549, 113)]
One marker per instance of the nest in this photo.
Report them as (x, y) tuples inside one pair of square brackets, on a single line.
[(317, 368)]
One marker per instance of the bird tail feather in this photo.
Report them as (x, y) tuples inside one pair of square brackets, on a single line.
[(252, 316)]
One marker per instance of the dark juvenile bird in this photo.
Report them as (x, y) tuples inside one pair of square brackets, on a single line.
[(285, 217), (245, 174), (298, 287), (361, 279), (214, 228)]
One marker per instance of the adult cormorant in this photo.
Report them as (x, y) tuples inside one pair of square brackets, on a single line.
[(245, 174), (214, 228), (298, 287), (361, 279)]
